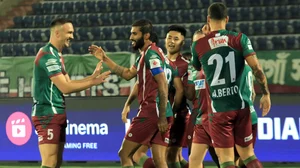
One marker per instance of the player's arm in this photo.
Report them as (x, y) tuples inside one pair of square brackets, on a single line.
[(177, 83), (126, 73), (126, 109), (195, 61), (189, 90), (51, 65), (133, 94), (253, 91), (162, 93), (96, 72), (257, 70)]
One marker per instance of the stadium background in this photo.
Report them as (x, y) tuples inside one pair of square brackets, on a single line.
[(273, 27)]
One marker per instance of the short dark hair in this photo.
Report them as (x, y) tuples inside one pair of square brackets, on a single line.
[(177, 28), (217, 11), (145, 25), (60, 21)]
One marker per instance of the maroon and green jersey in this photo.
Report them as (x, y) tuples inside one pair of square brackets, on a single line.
[(47, 98), (182, 65), (171, 73), (202, 100), (152, 59), (222, 56)]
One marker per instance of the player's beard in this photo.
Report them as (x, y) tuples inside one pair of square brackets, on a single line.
[(139, 43)]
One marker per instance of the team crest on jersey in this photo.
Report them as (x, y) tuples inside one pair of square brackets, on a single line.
[(154, 63), (217, 42), (199, 84)]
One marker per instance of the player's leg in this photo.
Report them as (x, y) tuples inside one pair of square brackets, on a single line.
[(201, 143), (140, 132), (244, 139), (159, 155), (61, 148), (221, 131), (159, 145), (176, 141), (214, 156), (140, 157), (49, 132)]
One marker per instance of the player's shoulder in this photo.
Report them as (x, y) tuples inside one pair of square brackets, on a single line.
[(153, 48)]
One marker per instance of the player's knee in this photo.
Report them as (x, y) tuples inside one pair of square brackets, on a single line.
[(137, 156)]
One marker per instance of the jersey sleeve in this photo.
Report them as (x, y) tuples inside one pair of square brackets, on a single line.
[(246, 46), (195, 60), (51, 65), (191, 74), (175, 72), (137, 60), (154, 62)]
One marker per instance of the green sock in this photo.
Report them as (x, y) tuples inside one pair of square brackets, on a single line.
[(45, 167), (225, 164), (249, 159), (142, 160), (174, 165), (127, 166), (183, 162)]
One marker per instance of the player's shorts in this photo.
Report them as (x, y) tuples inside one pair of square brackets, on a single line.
[(229, 128), (145, 131), (201, 135), (50, 129), (178, 132), (254, 132)]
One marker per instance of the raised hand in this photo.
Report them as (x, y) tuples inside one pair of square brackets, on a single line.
[(101, 78), (97, 70), (98, 52)]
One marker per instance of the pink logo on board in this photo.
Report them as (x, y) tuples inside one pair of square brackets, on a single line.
[(18, 128)]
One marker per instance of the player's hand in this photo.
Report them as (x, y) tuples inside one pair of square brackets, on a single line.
[(162, 124), (101, 78), (125, 112), (97, 70), (206, 29), (98, 52), (265, 104)]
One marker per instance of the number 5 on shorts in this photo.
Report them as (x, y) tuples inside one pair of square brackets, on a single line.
[(50, 134)]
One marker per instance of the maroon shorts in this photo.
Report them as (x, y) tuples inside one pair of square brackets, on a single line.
[(50, 129), (230, 128), (145, 131), (189, 132), (254, 132), (178, 132), (201, 135)]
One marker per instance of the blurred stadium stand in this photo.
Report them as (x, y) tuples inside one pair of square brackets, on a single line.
[(270, 24)]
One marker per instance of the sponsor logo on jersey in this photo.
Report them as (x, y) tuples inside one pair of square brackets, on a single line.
[(167, 140), (199, 84), (51, 61), (217, 42), (53, 68), (248, 138), (154, 63)]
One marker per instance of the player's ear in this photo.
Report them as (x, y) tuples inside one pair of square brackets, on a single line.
[(227, 19), (208, 19), (147, 36), (182, 43)]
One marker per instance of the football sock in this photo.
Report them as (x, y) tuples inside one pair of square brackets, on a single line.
[(229, 164), (174, 165), (253, 162)]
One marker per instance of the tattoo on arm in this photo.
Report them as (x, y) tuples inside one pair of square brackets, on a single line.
[(261, 78), (119, 70)]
